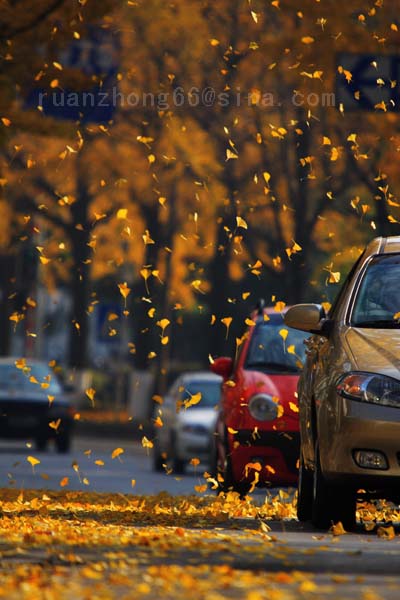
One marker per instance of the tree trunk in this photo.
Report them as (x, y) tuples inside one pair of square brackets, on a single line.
[(80, 276), (7, 270)]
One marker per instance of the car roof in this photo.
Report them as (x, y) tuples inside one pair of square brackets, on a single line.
[(200, 376), (383, 245)]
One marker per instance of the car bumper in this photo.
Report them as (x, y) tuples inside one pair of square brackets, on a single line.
[(276, 452), (362, 426), (193, 446)]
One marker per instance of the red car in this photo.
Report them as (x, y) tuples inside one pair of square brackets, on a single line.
[(256, 441)]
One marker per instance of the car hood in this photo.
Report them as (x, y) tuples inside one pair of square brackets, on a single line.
[(374, 350), (30, 397), (198, 416)]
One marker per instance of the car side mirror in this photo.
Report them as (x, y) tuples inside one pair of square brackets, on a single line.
[(222, 366), (308, 317)]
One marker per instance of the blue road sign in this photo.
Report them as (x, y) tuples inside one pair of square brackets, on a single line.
[(96, 54), (375, 79)]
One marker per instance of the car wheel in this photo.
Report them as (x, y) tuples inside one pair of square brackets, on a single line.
[(225, 478), (331, 504), (322, 500), (304, 493), (41, 444), (63, 443), (158, 460)]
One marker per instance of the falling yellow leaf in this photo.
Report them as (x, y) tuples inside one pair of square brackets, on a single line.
[(64, 481), (283, 333), (279, 306), (55, 424), (195, 462), (293, 407), (158, 422), (241, 223), (33, 461), (146, 443), (117, 452), (124, 289), (90, 393), (99, 462), (193, 400), (230, 155), (227, 322), (307, 39), (122, 213)]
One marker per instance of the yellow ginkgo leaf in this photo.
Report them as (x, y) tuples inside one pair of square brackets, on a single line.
[(64, 481), (293, 407), (117, 452), (146, 443), (163, 323), (55, 424), (195, 462), (279, 306), (194, 399), (240, 222), (283, 333), (124, 289), (90, 393), (33, 461), (122, 213), (227, 322)]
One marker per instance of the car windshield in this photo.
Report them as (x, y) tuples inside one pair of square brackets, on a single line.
[(210, 393), (276, 348), (31, 378), (377, 303)]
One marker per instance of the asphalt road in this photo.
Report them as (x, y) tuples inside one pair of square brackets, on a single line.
[(359, 565), (90, 467)]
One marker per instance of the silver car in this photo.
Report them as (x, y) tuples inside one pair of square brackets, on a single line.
[(349, 391), (186, 419)]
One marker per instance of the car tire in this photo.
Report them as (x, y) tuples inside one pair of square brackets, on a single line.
[(226, 481), (158, 460), (63, 443), (178, 465), (331, 504), (304, 492)]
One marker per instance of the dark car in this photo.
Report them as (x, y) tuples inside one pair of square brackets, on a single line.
[(256, 440), (33, 404), (349, 391)]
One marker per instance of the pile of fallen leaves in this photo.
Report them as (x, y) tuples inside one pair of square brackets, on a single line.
[(80, 545)]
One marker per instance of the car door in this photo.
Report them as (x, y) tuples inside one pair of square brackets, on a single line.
[(168, 415)]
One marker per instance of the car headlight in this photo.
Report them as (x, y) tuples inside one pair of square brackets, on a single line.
[(263, 408), (370, 387)]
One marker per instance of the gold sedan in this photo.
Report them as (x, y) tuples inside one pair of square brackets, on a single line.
[(349, 391)]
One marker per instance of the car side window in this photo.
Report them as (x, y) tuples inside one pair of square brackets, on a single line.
[(337, 301)]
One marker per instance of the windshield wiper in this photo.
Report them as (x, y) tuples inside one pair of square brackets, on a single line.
[(378, 324), (273, 366)]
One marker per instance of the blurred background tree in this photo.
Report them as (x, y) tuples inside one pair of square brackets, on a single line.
[(231, 174)]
